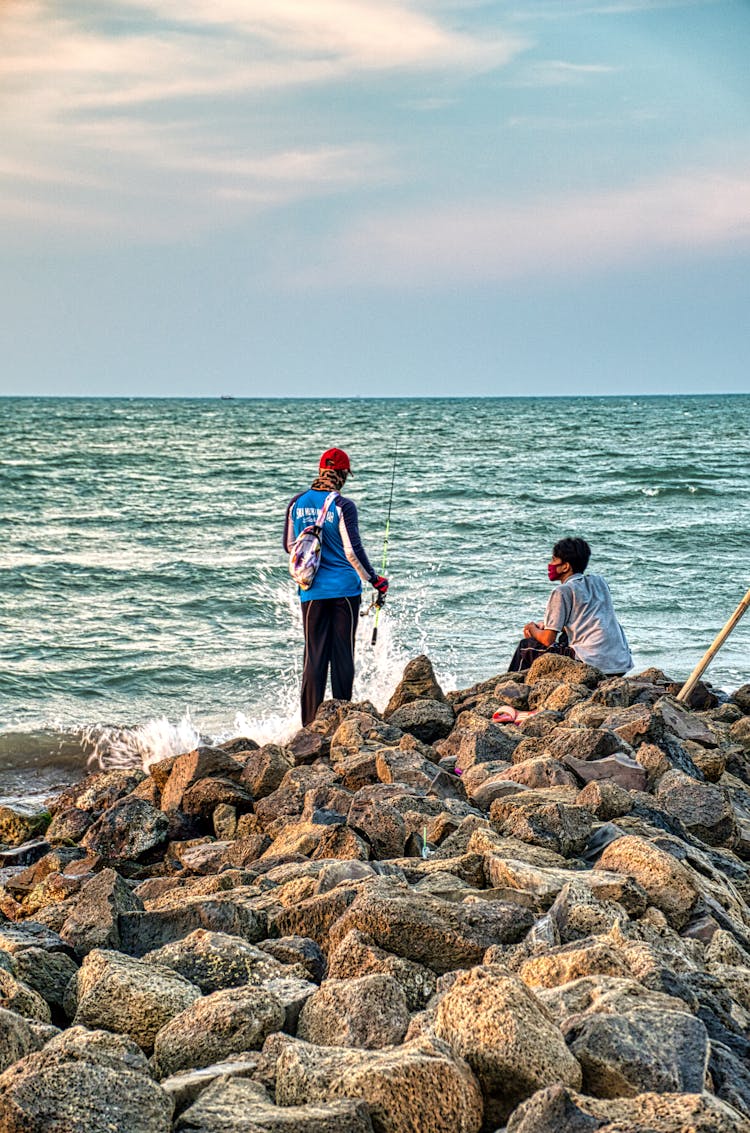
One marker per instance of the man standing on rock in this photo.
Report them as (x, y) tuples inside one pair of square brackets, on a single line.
[(330, 608), (581, 611)]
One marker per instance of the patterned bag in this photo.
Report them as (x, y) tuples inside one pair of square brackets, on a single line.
[(304, 557)]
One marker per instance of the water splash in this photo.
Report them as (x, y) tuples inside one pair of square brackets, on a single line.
[(110, 747)]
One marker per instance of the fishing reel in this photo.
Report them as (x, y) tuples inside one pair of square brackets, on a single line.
[(377, 604)]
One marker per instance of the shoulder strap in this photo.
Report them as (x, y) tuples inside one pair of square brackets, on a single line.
[(326, 505)]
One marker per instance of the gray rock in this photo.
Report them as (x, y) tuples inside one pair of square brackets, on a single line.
[(233, 912), (640, 1052), (19, 997), (121, 994), (298, 950), (214, 960), (187, 1085), (223, 1023), (564, 670), (100, 1047), (228, 1106), (94, 919), (368, 1012), (619, 769), (704, 809), (129, 831), (48, 1093), (16, 1038), (428, 720), (542, 819), (557, 1109), (48, 973)]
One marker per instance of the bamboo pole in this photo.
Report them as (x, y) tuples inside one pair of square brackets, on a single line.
[(713, 649)]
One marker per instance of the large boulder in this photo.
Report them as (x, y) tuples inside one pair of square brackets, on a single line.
[(428, 720), (47, 1092), (669, 884), (440, 934), (237, 1104), (545, 818), (368, 1012), (563, 670), (226, 1022), (47, 973), (417, 683), (187, 769), (94, 920), (214, 960), (356, 955), (558, 1109), (265, 769), (16, 1038), (418, 1086), (704, 809), (233, 912), (131, 830), (508, 1038), (641, 1051), (118, 993)]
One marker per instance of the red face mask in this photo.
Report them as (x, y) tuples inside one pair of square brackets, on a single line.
[(553, 571)]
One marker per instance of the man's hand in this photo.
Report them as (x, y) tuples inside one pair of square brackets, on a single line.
[(381, 584), (529, 628)]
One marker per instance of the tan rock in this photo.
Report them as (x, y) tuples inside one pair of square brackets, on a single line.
[(669, 884), (369, 1012)]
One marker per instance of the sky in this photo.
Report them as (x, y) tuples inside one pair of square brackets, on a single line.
[(374, 197)]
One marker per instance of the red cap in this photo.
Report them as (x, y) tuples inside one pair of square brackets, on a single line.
[(335, 458)]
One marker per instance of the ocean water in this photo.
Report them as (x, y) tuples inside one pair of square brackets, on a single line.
[(144, 596)]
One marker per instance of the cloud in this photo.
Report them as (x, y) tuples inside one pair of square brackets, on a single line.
[(484, 241), (127, 96)]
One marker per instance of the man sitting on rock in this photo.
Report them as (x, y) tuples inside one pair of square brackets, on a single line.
[(580, 611)]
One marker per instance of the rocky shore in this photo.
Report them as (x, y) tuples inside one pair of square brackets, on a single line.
[(420, 921)]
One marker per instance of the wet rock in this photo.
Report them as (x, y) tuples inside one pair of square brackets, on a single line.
[(369, 1011), (213, 960), (227, 1106), (94, 920), (69, 825), (48, 1093), (100, 791), (393, 1083), (18, 826), (130, 830), (640, 1052), (121, 994), (201, 799), (439, 934), (428, 720), (417, 683), (493, 1021), (669, 885), (557, 1109), (225, 1022), (265, 769), (703, 808), (308, 745), (742, 699)]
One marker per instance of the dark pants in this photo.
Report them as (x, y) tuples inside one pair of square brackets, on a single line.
[(330, 626), (529, 649)]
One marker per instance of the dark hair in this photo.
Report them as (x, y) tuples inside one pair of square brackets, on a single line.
[(576, 552)]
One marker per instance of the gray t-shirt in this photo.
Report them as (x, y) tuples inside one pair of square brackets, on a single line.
[(582, 606)]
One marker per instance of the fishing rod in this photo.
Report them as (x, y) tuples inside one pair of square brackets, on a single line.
[(380, 600)]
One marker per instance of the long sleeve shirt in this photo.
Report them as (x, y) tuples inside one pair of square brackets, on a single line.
[(344, 565)]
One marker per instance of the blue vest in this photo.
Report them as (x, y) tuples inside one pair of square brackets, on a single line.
[(336, 577)]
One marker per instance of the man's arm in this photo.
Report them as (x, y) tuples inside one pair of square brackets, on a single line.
[(555, 617), (289, 525), (353, 549), (545, 637)]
